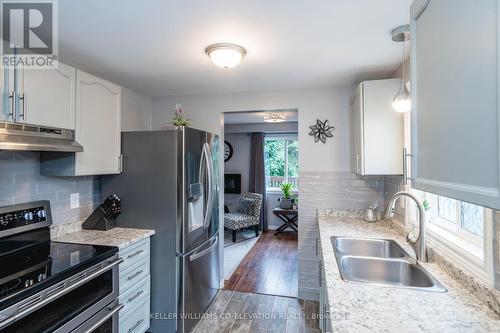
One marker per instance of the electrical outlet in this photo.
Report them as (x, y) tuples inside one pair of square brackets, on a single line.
[(75, 200)]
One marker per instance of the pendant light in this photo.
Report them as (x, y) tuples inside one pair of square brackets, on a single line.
[(402, 101)]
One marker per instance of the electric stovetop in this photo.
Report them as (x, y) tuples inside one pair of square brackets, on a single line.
[(30, 262)]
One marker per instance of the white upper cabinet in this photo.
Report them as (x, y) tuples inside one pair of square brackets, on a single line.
[(455, 89), (377, 130), (47, 96), (4, 89), (98, 125), (7, 91)]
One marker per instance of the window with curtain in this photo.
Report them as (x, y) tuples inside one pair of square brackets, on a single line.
[(281, 154)]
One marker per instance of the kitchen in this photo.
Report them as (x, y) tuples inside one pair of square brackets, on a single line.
[(112, 165)]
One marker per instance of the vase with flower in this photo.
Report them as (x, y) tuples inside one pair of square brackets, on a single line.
[(179, 119)]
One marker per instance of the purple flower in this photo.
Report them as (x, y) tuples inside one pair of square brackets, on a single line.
[(178, 110)]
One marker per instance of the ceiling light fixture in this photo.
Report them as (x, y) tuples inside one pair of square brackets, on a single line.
[(225, 55), (274, 117), (402, 101)]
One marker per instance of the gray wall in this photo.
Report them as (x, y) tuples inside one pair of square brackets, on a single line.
[(240, 163), (285, 127), (20, 181)]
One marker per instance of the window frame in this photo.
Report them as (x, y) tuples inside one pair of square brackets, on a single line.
[(286, 138), (455, 227), (467, 250)]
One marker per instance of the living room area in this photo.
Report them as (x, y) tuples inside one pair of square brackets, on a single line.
[(261, 200)]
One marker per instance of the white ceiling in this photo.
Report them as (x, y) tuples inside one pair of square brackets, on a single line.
[(256, 117), (157, 47)]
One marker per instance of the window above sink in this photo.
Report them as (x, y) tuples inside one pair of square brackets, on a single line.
[(461, 231)]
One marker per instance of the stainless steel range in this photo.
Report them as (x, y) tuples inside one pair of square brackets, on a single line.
[(49, 286)]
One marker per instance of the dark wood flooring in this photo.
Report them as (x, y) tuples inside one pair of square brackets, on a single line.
[(271, 267)]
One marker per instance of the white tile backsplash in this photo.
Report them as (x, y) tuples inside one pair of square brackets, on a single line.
[(327, 190)]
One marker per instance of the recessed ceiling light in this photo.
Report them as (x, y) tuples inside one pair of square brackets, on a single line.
[(274, 117), (225, 55)]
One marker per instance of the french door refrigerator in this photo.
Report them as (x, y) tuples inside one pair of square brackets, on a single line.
[(170, 183)]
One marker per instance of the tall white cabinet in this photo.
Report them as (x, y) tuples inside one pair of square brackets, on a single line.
[(455, 96), (377, 130)]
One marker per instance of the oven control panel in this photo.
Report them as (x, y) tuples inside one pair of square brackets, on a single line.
[(23, 217)]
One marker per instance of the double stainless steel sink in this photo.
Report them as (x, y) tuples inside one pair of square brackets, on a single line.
[(381, 262)]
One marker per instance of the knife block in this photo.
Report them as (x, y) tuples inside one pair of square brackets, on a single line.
[(98, 221)]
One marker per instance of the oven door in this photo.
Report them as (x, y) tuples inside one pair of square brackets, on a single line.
[(82, 298), (106, 321)]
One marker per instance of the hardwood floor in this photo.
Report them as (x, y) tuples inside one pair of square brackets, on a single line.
[(235, 312), (271, 267)]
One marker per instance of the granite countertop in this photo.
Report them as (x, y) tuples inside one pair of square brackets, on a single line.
[(359, 307), (119, 237)]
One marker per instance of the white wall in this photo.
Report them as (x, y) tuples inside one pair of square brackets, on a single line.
[(323, 103), (136, 111)]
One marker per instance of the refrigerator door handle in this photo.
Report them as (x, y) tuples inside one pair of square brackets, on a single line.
[(198, 255), (208, 161)]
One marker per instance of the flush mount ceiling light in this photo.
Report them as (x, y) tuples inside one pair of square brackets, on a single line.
[(274, 117), (225, 55), (402, 101)]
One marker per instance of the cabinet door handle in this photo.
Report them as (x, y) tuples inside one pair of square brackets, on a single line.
[(135, 296), (317, 246), (12, 98), (135, 326), (133, 276), (135, 254), (405, 167), (24, 114), (320, 275)]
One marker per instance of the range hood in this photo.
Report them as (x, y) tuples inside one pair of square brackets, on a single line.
[(15, 136)]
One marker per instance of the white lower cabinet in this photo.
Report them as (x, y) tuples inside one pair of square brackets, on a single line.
[(324, 307), (137, 319), (135, 288)]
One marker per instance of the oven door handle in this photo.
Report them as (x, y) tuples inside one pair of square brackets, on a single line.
[(101, 321), (42, 302)]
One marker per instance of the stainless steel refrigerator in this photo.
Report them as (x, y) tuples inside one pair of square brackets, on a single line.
[(170, 183)]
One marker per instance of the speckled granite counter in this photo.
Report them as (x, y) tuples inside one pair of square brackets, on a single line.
[(367, 308), (120, 237)]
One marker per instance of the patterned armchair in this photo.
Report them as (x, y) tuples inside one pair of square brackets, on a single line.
[(247, 215)]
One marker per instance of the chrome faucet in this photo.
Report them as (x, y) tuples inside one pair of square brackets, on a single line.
[(418, 244)]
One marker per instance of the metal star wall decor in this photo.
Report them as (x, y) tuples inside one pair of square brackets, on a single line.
[(321, 131)]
